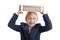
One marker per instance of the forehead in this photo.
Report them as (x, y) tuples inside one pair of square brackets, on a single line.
[(32, 15)]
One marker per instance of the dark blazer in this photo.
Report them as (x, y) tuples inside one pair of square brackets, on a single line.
[(35, 31)]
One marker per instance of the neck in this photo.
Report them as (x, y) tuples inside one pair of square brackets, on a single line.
[(30, 28)]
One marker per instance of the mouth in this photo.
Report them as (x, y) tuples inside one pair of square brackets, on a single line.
[(31, 23)]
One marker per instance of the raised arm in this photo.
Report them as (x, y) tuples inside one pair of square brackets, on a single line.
[(48, 24), (12, 24), (12, 21)]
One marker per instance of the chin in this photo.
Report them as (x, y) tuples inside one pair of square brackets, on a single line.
[(32, 25)]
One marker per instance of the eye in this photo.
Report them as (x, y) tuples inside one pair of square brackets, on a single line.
[(29, 18)]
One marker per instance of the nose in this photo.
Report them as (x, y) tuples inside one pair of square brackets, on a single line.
[(31, 20)]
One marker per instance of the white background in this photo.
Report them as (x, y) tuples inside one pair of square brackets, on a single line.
[(8, 7)]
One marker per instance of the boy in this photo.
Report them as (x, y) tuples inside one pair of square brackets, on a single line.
[(30, 30)]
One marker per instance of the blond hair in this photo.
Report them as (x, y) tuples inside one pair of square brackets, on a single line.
[(29, 14)]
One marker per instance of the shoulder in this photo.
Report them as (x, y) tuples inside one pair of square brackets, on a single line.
[(23, 24), (38, 24)]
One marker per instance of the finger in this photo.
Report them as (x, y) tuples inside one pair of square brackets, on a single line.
[(20, 7), (42, 7)]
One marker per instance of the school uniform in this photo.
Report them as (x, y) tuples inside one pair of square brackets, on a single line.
[(35, 32)]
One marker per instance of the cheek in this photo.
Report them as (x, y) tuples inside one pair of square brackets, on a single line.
[(35, 21), (27, 20)]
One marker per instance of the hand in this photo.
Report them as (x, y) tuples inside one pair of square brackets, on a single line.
[(42, 10), (19, 11)]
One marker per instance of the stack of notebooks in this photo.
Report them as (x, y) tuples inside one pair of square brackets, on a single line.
[(31, 8)]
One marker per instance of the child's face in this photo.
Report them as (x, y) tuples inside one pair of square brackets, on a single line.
[(31, 20)]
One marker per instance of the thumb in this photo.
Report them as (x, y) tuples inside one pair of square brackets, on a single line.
[(20, 7)]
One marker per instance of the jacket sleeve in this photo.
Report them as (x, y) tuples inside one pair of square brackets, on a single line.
[(12, 24), (48, 24)]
